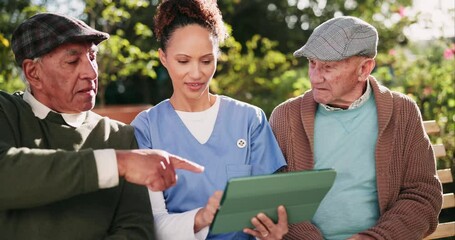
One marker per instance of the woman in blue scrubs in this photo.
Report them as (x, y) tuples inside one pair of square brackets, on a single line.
[(228, 137)]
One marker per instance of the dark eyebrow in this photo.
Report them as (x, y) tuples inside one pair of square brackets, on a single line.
[(203, 56)]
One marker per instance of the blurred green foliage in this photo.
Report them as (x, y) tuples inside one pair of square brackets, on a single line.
[(425, 72), (11, 14), (264, 81), (256, 64)]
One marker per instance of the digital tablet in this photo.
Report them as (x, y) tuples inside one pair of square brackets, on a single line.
[(300, 193)]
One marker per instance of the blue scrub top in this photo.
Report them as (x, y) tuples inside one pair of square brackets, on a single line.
[(241, 144)]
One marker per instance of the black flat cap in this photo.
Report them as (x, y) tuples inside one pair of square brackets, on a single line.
[(43, 32)]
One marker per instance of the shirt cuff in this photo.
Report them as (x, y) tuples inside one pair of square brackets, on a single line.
[(204, 232), (106, 165)]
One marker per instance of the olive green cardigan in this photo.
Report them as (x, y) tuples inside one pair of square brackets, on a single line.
[(49, 183)]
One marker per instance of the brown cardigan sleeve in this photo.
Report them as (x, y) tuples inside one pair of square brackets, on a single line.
[(410, 207), (285, 120)]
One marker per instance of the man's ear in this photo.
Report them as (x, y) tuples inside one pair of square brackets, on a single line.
[(162, 56), (31, 72), (366, 66)]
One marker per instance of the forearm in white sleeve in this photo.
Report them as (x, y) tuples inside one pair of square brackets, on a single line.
[(106, 165), (165, 223)]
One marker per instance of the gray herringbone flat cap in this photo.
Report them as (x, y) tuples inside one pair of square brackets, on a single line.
[(340, 38), (43, 32)]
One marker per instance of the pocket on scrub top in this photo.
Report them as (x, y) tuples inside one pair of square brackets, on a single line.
[(236, 170)]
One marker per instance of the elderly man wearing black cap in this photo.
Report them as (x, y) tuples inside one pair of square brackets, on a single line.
[(386, 185), (60, 177)]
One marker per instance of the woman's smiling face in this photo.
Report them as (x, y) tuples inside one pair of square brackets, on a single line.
[(190, 59)]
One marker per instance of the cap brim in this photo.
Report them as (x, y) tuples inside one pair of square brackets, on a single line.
[(95, 38), (299, 52)]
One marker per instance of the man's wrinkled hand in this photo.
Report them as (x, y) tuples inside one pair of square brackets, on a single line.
[(152, 168), (265, 228)]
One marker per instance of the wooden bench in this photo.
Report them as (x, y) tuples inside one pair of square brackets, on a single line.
[(122, 113), (444, 229)]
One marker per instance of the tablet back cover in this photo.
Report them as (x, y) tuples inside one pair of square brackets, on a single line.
[(300, 192)]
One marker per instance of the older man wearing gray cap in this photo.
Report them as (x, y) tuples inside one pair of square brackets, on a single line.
[(386, 185), (60, 177)]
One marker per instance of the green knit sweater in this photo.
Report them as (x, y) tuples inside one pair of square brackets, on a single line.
[(49, 183)]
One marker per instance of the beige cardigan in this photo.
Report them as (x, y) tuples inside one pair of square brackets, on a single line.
[(409, 192)]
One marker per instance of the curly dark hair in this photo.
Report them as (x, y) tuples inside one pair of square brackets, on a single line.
[(174, 14)]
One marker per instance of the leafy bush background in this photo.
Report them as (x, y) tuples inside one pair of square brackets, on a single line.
[(257, 65)]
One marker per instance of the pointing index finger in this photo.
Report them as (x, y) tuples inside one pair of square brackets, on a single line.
[(181, 163)]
